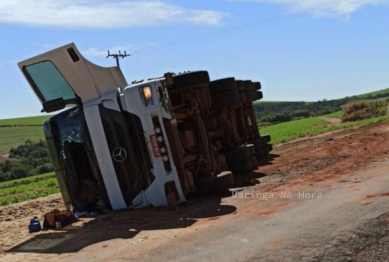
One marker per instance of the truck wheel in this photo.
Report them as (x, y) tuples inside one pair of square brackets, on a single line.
[(257, 86), (239, 85), (250, 96), (266, 138), (254, 162), (222, 85), (242, 168), (251, 148), (216, 184), (247, 85), (225, 98), (237, 155), (257, 142), (260, 154), (242, 97), (190, 79), (258, 95), (266, 151)]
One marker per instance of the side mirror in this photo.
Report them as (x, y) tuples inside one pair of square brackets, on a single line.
[(53, 105)]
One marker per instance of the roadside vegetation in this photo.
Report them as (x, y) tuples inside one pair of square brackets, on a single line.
[(23, 189), (359, 110)]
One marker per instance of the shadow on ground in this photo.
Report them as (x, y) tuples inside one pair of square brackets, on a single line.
[(123, 225)]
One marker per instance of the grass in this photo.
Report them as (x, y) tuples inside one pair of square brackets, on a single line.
[(23, 189), (27, 196), (26, 180), (17, 135), (24, 121), (288, 131), (338, 114), (15, 131)]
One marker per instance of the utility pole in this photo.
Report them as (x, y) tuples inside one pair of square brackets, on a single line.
[(116, 56)]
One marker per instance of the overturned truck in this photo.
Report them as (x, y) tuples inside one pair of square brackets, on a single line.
[(148, 143)]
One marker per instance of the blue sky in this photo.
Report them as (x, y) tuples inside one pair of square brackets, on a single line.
[(300, 50)]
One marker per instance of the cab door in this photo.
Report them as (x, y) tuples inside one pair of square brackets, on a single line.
[(63, 76)]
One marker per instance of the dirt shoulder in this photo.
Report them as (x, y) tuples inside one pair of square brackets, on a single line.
[(348, 168)]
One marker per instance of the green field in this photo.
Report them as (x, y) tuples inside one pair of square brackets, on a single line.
[(14, 132), (24, 121), (338, 114), (20, 190), (288, 131)]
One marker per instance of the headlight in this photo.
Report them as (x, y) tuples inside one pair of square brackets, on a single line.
[(147, 96)]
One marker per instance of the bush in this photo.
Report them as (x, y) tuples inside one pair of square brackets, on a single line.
[(28, 159), (45, 168), (364, 109)]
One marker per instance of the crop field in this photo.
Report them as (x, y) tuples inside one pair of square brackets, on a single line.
[(288, 131), (20, 190), (14, 132), (25, 121)]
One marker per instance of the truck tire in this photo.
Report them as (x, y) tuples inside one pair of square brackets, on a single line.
[(257, 86), (225, 98), (239, 85), (222, 85), (266, 151), (257, 142), (258, 95), (247, 85), (237, 155), (190, 79), (260, 154), (254, 162), (242, 97), (216, 184), (251, 148), (250, 96), (266, 138), (242, 168)]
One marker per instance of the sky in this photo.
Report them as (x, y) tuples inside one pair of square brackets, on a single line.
[(300, 50)]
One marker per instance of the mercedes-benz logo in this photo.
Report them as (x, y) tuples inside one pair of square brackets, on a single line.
[(119, 154)]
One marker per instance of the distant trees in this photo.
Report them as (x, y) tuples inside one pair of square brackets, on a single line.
[(28, 159)]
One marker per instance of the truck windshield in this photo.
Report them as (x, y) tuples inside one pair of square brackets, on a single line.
[(48, 82)]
